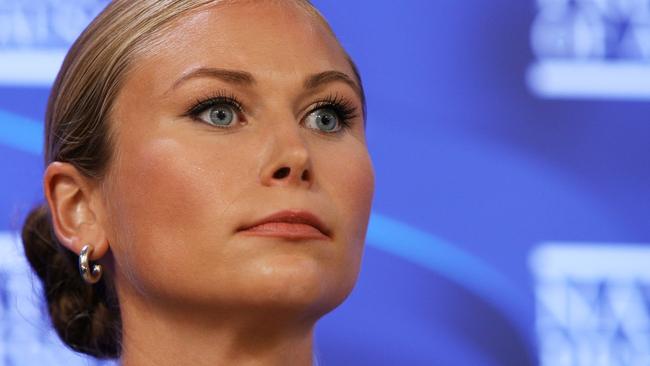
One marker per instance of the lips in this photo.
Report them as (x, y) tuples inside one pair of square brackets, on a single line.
[(290, 224)]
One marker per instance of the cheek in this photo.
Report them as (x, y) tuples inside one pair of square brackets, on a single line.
[(355, 187), (351, 185), (165, 206)]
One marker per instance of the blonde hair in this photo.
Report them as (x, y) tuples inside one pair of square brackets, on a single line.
[(87, 318)]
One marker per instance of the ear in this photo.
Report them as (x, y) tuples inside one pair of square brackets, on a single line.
[(75, 205)]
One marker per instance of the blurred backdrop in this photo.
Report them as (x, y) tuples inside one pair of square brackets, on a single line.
[(511, 143)]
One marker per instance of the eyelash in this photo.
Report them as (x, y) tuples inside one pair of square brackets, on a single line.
[(344, 108), (220, 97)]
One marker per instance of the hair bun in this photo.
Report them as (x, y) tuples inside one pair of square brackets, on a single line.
[(85, 317)]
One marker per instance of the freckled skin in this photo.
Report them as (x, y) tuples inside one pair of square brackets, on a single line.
[(177, 190)]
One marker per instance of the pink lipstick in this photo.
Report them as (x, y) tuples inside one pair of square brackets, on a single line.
[(290, 224)]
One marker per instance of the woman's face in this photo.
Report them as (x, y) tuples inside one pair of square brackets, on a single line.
[(189, 169)]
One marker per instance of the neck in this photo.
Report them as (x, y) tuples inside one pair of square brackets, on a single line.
[(156, 336)]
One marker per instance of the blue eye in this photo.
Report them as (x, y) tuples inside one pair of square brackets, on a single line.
[(219, 115), (324, 119), (221, 110), (332, 115)]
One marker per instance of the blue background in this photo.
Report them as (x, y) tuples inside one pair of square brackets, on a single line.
[(473, 171)]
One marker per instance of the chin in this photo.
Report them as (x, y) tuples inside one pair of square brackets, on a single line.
[(297, 281)]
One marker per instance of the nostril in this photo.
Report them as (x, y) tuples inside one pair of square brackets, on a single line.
[(305, 175), (281, 173)]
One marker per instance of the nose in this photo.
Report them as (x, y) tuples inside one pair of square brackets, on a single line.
[(288, 161)]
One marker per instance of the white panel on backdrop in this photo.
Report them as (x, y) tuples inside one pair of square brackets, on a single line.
[(35, 35), (597, 49), (26, 337), (593, 304)]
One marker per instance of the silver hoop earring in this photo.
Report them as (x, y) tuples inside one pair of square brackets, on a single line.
[(90, 276)]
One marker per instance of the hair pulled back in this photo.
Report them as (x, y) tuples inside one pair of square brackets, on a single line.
[(87, 317)]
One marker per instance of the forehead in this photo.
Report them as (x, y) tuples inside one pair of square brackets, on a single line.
[(270, 39)]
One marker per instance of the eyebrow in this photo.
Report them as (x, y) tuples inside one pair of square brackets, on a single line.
[(316, 80), (230, 76), (246, 79)]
